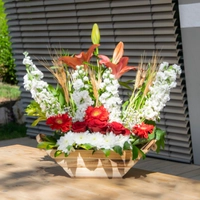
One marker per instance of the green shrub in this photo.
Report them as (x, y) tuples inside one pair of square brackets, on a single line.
[(7, 67), (12, 130), (9, 91)]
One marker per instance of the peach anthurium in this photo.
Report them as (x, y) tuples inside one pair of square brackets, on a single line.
[(79, 59)]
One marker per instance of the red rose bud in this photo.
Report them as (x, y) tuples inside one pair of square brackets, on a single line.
[(79, 127), (98, 126), (117, 128)]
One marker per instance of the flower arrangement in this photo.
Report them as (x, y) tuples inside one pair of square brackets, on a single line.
[(85, 109)]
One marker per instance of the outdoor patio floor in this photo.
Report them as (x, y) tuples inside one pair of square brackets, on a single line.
[(27, 173)]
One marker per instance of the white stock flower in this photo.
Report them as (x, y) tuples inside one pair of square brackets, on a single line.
[(110, 96), (39, 89), (160, 91)]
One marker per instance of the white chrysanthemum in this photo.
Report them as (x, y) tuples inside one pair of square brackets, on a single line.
[(109, 141), (121, 140), (65, 141), (95, 139), (81, 138)]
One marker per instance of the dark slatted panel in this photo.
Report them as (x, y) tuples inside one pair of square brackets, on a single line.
[(143, 26)]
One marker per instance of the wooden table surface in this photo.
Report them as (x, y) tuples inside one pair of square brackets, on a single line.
[(27, 173)]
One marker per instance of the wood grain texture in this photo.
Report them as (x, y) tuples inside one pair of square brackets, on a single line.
[(85, 163)]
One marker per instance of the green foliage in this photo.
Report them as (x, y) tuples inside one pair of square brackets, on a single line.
[(33, 109), (118, 150), (12, 130), (7, 67), (9, 91)]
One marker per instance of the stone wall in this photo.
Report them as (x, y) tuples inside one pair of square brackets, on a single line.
[(11, 111)]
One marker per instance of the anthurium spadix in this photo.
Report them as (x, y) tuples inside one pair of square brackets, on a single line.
[(95, 35)]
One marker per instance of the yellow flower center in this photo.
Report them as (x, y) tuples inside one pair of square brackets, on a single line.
[(59, 121), (96, 112)]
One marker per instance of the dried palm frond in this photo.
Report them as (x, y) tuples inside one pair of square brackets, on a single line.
[(59, 72), (151, 73), (95, 84), (61, 77), (141, 75)]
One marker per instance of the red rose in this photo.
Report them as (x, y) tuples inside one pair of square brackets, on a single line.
[(98, 126), (99, 113), (79, 127), (142, 130), (117, 128), (60, 122)]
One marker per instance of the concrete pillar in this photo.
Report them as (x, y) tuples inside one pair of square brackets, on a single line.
[(190, 30)]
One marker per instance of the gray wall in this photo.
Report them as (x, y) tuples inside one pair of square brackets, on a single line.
[(190, 30)]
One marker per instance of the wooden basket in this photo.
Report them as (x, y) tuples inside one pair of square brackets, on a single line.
[(84, 164)]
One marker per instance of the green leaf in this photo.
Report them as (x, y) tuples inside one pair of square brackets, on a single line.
[(106, 152), (54, 67), (143, 154), (126, 146), (150, 122), (57, 153), (61, 99), (125, 84), (66, 154), (52, 90), (86, 146), (118, 150), (69, 147), (44, 145), (50, 146), (125, 104), (151, 136), (159, 134), (37, 121), (49, 139), (140, 141), (135, 152), (160, 139)]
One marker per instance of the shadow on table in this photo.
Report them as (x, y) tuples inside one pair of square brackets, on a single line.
[(136, 173), (55, 170), (25, 141)]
